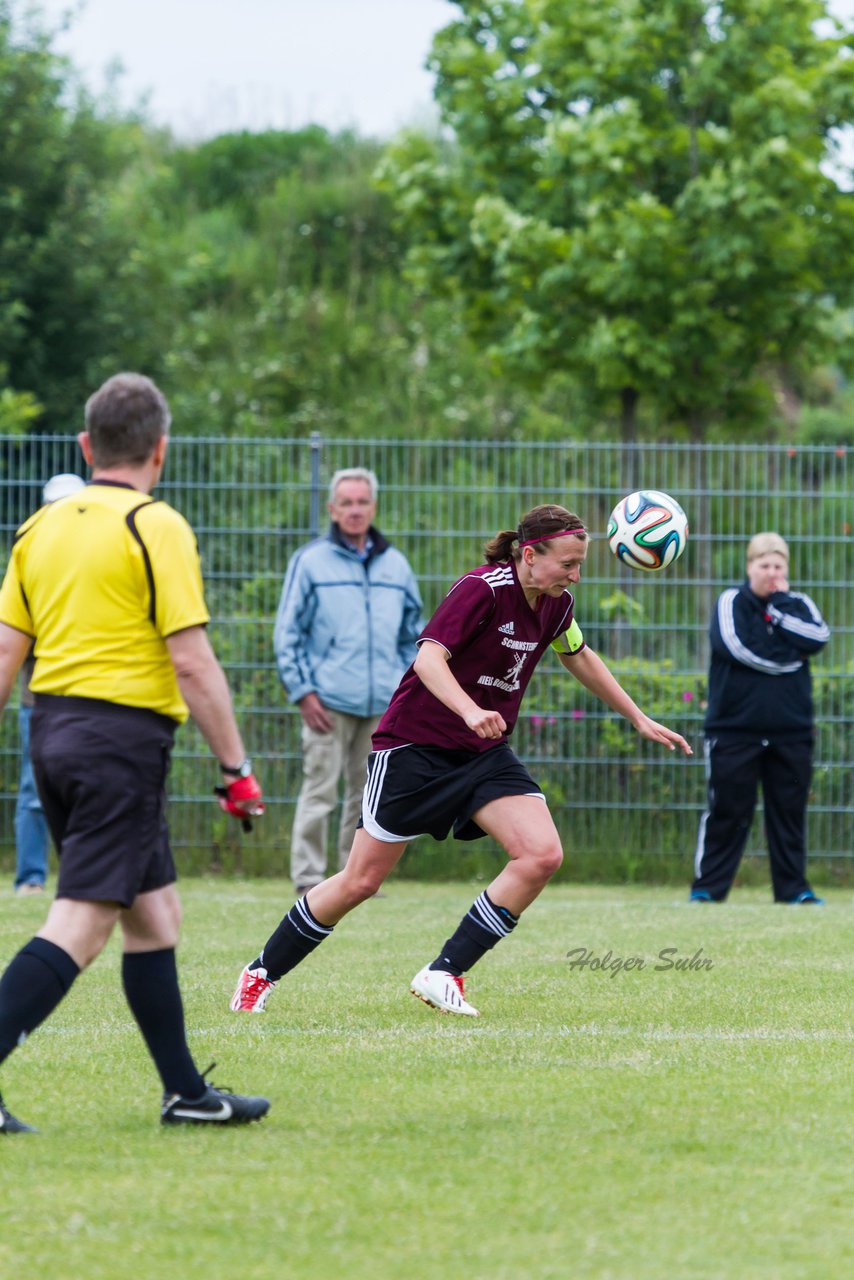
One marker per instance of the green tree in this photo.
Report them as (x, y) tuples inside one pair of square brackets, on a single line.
[(636, 193), (286, 312), (60, 151)]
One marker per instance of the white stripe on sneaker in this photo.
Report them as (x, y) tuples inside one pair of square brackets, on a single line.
[(225, 1112)]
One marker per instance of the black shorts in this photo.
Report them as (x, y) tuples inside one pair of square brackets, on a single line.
[(101, 773), (414, 791)]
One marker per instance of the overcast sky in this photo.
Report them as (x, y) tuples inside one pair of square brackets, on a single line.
[(211, 66)]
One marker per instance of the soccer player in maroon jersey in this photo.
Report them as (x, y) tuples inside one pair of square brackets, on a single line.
[(441, 760)]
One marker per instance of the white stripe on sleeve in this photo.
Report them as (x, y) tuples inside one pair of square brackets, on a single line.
[(738, 649)]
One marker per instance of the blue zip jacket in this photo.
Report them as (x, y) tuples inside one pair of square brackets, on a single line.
[(346, 629), (759, 677)]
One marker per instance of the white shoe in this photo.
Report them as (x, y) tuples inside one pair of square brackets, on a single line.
[(253, 987), (444, 991), (30, 889)]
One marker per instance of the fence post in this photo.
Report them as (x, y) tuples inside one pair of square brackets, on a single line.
[(316, 445)]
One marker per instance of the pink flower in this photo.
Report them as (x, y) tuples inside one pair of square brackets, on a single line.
[(537, 722), (578, 715), (687, 696)]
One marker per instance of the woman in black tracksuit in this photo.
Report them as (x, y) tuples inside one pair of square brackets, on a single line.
[(759, 726)]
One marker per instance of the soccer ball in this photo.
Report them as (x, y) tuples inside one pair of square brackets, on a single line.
[(648, 530)]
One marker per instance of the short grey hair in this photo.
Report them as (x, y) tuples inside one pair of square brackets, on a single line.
[(354, 473), (125, 419), (62, 486)]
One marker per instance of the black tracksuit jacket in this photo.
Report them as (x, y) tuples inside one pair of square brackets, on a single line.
[(759, 677)]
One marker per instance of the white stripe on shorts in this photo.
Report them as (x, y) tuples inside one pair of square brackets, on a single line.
[(371, 797)]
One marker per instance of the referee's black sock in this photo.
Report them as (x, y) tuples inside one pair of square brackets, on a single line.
[(481, 927), (34, 983), (296, 937), (151, 987)]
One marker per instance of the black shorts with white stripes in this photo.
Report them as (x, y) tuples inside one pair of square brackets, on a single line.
[(414, 790)]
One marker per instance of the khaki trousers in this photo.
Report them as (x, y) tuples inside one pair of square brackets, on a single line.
[(327, 757)]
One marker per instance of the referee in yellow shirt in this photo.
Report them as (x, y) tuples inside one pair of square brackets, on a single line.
[(108, 583)]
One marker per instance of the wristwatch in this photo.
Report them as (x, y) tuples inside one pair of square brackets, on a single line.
[(243, 770)]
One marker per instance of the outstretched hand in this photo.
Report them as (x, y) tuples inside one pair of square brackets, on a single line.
[(656, 732)]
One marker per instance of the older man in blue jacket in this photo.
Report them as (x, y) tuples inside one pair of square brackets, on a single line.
[(345, 632)]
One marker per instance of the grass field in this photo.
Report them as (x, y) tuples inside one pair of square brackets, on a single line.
[(632, 1125)]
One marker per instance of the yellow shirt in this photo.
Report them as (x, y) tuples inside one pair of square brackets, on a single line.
[(100, 578)]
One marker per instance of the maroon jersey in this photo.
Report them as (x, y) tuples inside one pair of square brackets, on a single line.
[(495, 639)]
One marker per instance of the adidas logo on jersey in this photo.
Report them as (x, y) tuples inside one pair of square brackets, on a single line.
[(508, 629)]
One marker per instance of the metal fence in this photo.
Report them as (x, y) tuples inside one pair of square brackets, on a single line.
[(253, 502)]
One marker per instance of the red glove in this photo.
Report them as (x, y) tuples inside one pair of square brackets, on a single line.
[(241, 799)]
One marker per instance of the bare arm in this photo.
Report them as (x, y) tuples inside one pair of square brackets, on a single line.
[(431, 667), (589, 670), (14, 647), (205, 690)]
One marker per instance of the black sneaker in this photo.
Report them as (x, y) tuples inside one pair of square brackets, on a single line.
[(9, 1124), (215, 1106)]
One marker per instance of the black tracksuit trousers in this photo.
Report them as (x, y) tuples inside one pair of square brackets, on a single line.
[(735, 766)]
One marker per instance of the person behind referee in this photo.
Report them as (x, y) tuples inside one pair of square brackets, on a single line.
[(108, 582)]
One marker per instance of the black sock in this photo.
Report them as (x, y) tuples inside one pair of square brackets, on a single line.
[(34, 983), (296, 937), (478, 931), (151, 986)]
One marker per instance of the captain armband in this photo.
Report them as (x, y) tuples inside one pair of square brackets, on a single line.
[(571, 641)]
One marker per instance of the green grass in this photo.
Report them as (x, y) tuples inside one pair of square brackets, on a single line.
[(679, 1123)]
